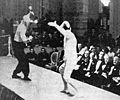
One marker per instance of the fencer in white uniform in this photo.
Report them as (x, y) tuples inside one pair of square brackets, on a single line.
[(70, 54)]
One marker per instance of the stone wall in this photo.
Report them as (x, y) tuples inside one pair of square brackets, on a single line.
[(114, 18), (93, 9), (17, 8), (75, 11)]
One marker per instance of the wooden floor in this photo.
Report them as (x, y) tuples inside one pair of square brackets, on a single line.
[(46, 84)]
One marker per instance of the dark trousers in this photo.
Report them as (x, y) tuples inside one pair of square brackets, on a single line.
[(23, 64)]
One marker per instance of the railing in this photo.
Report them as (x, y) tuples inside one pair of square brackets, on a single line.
[(9, 44)]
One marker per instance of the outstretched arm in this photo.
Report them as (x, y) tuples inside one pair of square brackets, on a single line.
[(59, 28)]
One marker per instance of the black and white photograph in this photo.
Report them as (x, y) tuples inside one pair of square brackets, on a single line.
[(59, 50)]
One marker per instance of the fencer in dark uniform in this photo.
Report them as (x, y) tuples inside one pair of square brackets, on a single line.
[(20, 42)]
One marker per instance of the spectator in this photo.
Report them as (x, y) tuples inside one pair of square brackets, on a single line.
[(98, 69), (50, 40), (114, 75), (83, 65), (91, 65), (53, 50), (79, 47), (43, 58), (105, 70), (118, 41), (32, 56), (111, 54)]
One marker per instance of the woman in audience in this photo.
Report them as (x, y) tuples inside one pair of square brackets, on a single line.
[(105, 70), (98, 69), (84, 61), (91, 67), (118, 52), (114, 75)]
